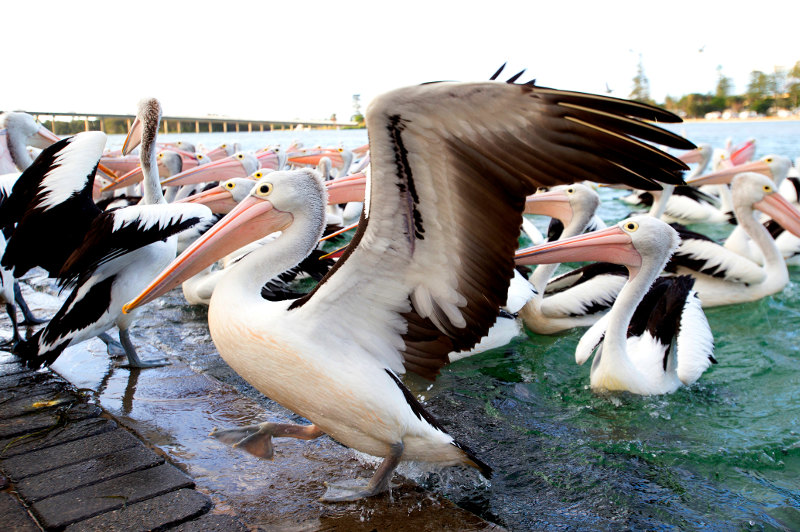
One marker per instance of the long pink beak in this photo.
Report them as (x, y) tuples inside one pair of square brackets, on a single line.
[(726, 175), (609, 245), (691, 156), (744, 153), (553, 203), (252, 219), (779, 209), (218, 199), (347, 189), (220, 170)]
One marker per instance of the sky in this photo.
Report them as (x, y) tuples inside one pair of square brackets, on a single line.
[(306, 59)]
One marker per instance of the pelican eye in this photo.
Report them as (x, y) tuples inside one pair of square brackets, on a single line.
[(199, 156), (223, 146), (161, 155), (240, 156), (768, 189), (264, 190), (630, 226), (258, 175), (542, 189), (230, 185), (570, 190), (341, 150), (768, 160)]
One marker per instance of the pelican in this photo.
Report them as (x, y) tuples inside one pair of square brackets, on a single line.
[(653, 340), (725, 277), (112, 256), (429, 265), (17, 132), (577, 298)]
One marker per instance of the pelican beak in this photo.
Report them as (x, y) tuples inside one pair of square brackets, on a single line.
[(218, 152), (335, 254), (726, 175), (553, 203), (346, 189), (43, 138), (779, 209), (339, 232), (609, 245), (218, 199), (252, 219), (691, 156), (134, 137), (220, 170), (131, 178), (312, 157), (744, 153)]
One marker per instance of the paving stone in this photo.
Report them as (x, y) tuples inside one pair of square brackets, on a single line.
[(34, 463), (86, 473), (212, 523), (74, 431), (49, 419), (25, 378), (13, 368), (14, 516), (153, 514), (36, 403), (73, 506)]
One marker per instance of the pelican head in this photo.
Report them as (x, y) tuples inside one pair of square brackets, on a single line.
[(271, 205)]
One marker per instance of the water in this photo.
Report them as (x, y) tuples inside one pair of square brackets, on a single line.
[(721, 454)]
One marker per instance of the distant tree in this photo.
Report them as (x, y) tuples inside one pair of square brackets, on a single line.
[(793, 85), (722, 92), (760, 92), (333, 117), (641, 85)]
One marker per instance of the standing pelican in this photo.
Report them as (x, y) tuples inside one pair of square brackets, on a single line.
[(427, 269), (113, 257), (653, 340)]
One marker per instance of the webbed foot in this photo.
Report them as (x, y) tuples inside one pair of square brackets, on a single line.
[(353, 490), (257, 439)]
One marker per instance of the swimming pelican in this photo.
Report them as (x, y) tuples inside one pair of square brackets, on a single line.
[(725, 277), (656, 337), (427, 269), (114, 254), (577, 298)]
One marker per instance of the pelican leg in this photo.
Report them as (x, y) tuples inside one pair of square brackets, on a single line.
[(113, 347), (11, 342), (29, 318), (380, 481), (257, 439), (133, 359)]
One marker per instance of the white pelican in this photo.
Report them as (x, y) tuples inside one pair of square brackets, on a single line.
[(427, 269), (17, 132), (653, 340), (116, 253), (725, 277), (577, 298)]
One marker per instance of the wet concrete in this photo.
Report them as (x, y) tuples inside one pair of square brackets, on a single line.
[(176, 406)]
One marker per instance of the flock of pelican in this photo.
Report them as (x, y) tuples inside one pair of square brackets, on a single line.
[(432, 273)]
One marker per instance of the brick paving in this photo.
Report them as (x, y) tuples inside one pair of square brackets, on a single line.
[(66, 465)]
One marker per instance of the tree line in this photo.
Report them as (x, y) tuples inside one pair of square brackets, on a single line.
[(766, 94)]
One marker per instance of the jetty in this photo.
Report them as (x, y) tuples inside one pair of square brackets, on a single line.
[(65, 123)]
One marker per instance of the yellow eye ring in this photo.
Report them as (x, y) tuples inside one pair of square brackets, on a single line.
[(630, 226), (240, 156), (258, 175), (230, 185), (223, 146), (570, 190), (264, 189), (161, 155), (767, 189), (768, 160), (199, 157)]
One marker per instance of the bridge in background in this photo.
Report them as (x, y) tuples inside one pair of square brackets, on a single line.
[(188, 124)]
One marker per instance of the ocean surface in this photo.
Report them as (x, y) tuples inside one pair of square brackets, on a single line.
[(722, 454)]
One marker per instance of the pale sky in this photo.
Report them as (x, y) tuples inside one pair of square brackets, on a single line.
[(306, 59)]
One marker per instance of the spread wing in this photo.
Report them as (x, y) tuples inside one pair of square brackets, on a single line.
[(59, 181), (452, 164), (116, 233)]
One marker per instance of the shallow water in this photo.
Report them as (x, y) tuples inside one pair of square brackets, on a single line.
[(722, 454)]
